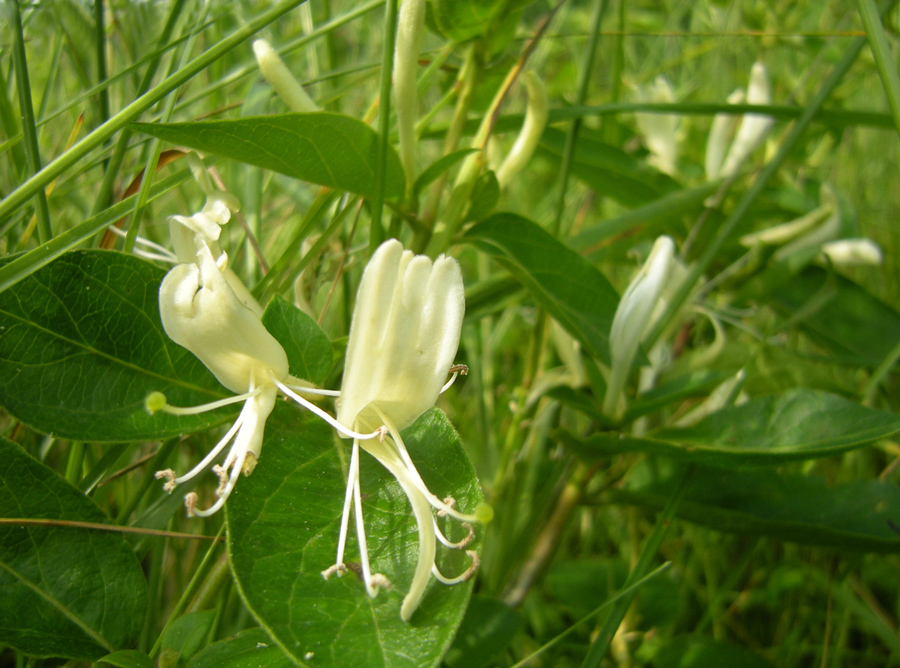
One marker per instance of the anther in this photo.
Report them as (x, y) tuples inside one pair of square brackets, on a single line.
[(170, 476)]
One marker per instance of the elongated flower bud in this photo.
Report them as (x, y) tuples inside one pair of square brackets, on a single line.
[(532, 129), (284, 83), (406, 57), (754, 127), (659, 130)]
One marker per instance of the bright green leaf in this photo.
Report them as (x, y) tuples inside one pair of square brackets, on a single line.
[(328, 149), (127, 658), (308, 348), (795, 508), (485, 196), (283, 527), (66, 591), (799, 424), (569, 287), (250, 649), (82, 346)]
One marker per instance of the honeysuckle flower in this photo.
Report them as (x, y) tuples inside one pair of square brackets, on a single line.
[(403, 338), (632, 317), (201, 311), (281, 79), (660, 130), (853, 252), (752, 130)]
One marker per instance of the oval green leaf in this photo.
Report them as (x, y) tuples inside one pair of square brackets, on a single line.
[(82, 345), (283, 527), (66, 591), (569, 287), (799, 509), (308, 349), (249, 649), (331, 150), (800, 424)]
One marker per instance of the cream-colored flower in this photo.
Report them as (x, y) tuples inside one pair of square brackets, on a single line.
[(403, 338), (660, 130)]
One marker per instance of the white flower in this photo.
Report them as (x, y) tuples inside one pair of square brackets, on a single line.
[(403, 338), (753, 128), (660, 130), (853, 252), (201, 311), (632, 317)]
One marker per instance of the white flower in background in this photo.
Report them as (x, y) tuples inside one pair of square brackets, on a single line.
[(853, 252), (281, 79), (536, 115), (410, 24), (660, 130), (201, 310), (751, 132), (632, 317), (403, 338)]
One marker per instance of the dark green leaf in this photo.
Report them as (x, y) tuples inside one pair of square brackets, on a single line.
[(188, 633), (800, 424), (82, 346), (569, 287), (250, 649), (66, 591), (485, 196), (328, 149), (283, 527), (795, 508), (439, 167), (852, 323), (308, 348), (691, 652), (128, 658), (486, 630), (609, 170)]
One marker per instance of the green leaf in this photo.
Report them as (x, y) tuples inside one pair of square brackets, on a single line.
[(461, 20), (439, 167), (283, 527), (698, 652), (485, 196), (609, 170), (250, 649), (569, 287), (308, 348), (795, 508), (187, 634), (486, 630), (82, 346), (845, 317), (66, 591), (127, 658), (328, 149), (797, 425)]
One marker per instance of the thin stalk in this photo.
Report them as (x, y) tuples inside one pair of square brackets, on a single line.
[(29, 128), (104, 195), (100, 32), (30, 188), (584, 82), (147, 480), (871, 387), (200, 577), (881, 50), (155, 147), (648, 553), (376, 235), (75, 462), (767, 172)]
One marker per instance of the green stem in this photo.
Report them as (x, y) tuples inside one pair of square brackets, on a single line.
[(376, 236), (100, 28), (571, 139), (648, 553), (29, 129), (30, 188), (767, 172), (881, 50), (75, 462)]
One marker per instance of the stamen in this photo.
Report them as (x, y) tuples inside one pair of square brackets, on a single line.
[(223, 479), (156, 401), (456, 370), (352, 484), (460, 544), (467, 574), (190, 501), (169, 475), (314, 390), (335, 569), (311, 407), (164, 253), (210, 456)]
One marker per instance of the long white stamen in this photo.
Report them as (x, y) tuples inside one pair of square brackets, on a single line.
[(378, 433), (314, 390), (414, 476), (165, 254), (465, 575), (352, 483), (212, 454), (456, 370), (190, 500), (458, 545), (211, 406), (371, 588)]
